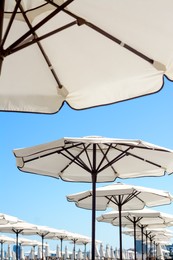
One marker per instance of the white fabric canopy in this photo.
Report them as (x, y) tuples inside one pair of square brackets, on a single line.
[(132, 197), (127, 158), (130, 47)]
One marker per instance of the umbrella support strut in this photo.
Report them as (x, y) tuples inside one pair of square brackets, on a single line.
[(2, 4)]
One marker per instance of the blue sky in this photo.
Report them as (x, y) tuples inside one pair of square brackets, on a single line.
[(42, 200)]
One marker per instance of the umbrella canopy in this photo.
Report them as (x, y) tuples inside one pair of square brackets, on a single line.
[(5, 219), (121, 196), (130, 55), (28, 242), (106, 159)]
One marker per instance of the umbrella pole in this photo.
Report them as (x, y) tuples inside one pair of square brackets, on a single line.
[(1, 250), (61, 247), (74, 249), (134, 226), (2, 4), (146, 245), (94, 179), (142, 242), (17, 245), (120, 225), (42, 237), (93, 214)]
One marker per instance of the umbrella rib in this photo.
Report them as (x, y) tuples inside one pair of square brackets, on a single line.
[(60, 151), (131, 196), (110, 163), (37, 26), (76, 159), (104, 156), (40, 47), (10, 22), (37, 39), (106, 34), (114, 198), (135, 219), (137, 157), (111, 37)]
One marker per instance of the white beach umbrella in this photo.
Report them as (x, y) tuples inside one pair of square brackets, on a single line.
[(101, 251), (47, 250), (97, 253), (130, 54), (95, 159), (13, 255), (79, 255), (123, 254), (32, 254), (159, 252), (89, 255), (107, 252), (112, 255), (117, 256), (66, 254), (39, 252), (9, 252), (58, 253), (22, 256), (72, 257)]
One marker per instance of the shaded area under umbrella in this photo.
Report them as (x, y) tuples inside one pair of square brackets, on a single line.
[(95, 159)]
